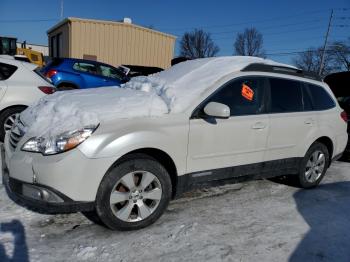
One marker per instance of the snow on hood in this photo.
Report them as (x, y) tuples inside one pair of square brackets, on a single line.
[(71, 110), (170, 91)]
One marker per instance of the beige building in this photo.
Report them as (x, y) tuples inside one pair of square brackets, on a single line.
[(111, 42)]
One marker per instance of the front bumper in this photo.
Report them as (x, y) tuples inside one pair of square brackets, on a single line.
[(40, 198), (72, 173)]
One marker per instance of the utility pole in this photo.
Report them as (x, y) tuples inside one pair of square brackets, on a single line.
[(325, 43), (61, 9)]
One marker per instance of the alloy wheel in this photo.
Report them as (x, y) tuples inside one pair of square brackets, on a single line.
[(9, 122), (315, 166), (135, 196)]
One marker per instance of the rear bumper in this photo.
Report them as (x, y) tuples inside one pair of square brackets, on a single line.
[(39, 198)]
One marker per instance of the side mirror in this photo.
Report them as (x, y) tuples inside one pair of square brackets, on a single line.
[(217, 110)]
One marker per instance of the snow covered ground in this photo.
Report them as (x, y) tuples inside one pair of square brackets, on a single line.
[(254, 221)]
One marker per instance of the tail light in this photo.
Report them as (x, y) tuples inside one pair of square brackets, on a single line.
[(344, 116), (47, 89), (51, 73)]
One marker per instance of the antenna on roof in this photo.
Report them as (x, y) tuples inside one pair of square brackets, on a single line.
[(62, 9)]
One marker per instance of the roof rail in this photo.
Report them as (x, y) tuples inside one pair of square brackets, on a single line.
[(260, 67)]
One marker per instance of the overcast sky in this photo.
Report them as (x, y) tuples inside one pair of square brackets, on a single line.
[(287, 26)]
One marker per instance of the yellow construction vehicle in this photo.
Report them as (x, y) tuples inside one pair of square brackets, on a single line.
[(34, 57), (8, 47)]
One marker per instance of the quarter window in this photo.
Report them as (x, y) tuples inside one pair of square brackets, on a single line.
[(243, 96), (286, 96), (320, 98), (6, 71)]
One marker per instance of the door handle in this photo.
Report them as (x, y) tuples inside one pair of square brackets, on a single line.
[(259, 125)]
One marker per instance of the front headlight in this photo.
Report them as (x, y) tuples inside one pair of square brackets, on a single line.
[(58, 144)]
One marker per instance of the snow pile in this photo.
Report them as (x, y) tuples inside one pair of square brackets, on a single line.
[(170, 91), (71, 110), (183, 83)]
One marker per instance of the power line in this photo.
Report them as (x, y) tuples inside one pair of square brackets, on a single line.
[(272, 27), (278, 33), (297, 52), (247, 22), (28, 20), (264, 34)]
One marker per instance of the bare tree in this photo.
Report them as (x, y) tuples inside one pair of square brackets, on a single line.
[(198, 44), (340, 51), (249, 43), (310, 60)]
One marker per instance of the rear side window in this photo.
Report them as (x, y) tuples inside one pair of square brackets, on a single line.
[(286, 96), (86, 68), (6, 71), (321, 100), (244, 96)]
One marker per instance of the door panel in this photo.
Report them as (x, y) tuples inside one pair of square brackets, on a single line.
[(2, 88), (239, 140), (227, 142), (94, 80), (288, 133), (292, 124)]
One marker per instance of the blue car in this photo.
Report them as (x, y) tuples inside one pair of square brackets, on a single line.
[(71, 73)]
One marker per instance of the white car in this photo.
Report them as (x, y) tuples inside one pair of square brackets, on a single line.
[(119, 155), (20, 86)]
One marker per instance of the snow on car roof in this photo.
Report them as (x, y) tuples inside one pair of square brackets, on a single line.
[(181, 84), (170, 91), (6, 59)]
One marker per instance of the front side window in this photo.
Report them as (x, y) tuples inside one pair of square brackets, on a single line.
[(286, 96), (243, 96), (85, 67), (320, 98), (110, 72)]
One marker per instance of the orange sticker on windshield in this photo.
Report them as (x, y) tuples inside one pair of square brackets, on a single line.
[(247, 92)]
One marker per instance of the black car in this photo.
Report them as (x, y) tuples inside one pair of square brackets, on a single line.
[(340, 85)]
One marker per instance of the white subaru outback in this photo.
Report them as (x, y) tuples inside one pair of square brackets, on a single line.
[(120, 155)]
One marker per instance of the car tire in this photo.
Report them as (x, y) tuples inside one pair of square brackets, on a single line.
[(65, 88), (93, 217), (134, 193), (314, 166), (7, 118)]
